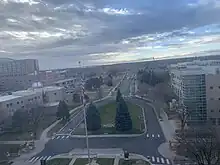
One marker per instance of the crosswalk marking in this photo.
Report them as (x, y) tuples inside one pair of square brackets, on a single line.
[(63, 137), (53, 137), (35, 159), (162, 160), (147, 135), (153, 159), (31, 159), (158, 160), (57, 137), (152, 135), (167, 160), (67, 137), (44, 158), (48, 157), (158, 135)]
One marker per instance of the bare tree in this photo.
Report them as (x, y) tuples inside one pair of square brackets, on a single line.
[(183, 115), (203, 148)]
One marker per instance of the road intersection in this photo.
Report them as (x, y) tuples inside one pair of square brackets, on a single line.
[(146, 144)]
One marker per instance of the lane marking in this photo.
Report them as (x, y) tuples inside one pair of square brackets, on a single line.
[(162, 160), (167, 160), (153, 159), (158, 160)]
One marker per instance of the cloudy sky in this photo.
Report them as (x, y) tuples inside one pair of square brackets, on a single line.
[(59, 33)]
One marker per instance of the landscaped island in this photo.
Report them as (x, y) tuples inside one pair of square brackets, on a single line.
[(116, 117)]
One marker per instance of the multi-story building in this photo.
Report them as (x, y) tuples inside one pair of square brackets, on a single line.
[(12, 67), (26, 99), (198, 89), (17, 74)]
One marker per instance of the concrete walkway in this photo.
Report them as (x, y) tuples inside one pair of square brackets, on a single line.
[(115, 154)]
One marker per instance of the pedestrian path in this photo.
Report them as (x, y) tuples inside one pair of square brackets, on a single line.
[(60, 137), (153, 135), (38, 158), (158, 160)]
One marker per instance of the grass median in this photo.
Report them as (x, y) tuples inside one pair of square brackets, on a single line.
[(107, 114)]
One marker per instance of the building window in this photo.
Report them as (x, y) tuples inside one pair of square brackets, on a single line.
[(35, 97), (219, 87), (212, 110), (22, 107), (17, 102), (213, 121), (211, 87), (7, 105), (218, 121), (10, 104), (22, 102), (211, 98), (55, 93)]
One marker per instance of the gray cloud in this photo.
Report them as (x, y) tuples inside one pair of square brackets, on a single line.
[(83, 27)]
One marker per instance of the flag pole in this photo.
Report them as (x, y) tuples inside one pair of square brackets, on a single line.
[(85, 123)]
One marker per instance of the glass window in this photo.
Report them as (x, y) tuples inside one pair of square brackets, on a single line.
[(211, 87)]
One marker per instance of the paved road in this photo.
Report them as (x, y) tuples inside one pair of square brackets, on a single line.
[(146, 144), (77, 119)]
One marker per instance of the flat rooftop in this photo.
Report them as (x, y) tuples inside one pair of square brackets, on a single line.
[(65, 80)]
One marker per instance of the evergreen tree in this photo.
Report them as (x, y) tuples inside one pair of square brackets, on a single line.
[(93, 118), (62, 111), (118, 96), (123, 120)]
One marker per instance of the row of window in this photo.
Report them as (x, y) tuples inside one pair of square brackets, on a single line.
[(212, 110), (211, 87), (21, 102), (215, 121)]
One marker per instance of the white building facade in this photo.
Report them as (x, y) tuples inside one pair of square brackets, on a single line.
[(26, 99), (193, 83)]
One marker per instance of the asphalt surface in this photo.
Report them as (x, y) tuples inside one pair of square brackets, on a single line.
[(146, 145)]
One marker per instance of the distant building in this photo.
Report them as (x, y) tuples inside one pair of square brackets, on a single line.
[(49, 77), (17, 74), (197, 84)]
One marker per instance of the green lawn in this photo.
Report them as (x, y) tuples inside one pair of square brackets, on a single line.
[(100, 161), (81, 161), (59, 161), (108, 112), (133, 162), (105, 161)]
